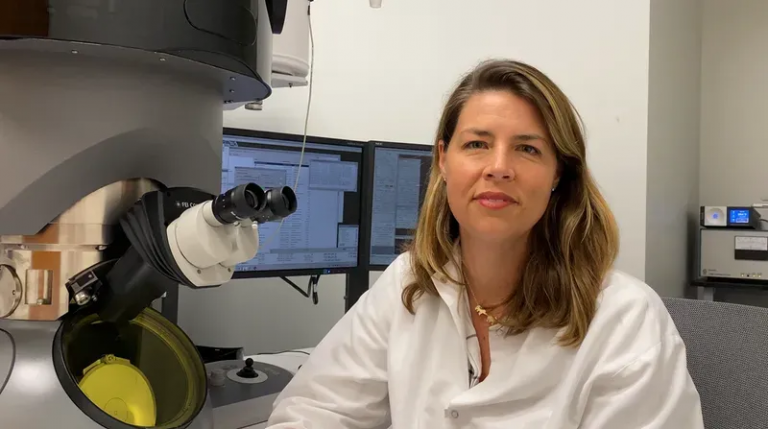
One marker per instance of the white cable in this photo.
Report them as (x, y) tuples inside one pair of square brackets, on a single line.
[(306, 117), (309, 97)]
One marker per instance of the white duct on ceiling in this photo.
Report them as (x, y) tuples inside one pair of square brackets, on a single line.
[(290, 49)]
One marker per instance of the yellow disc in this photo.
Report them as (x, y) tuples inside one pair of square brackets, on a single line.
[(120, 390)]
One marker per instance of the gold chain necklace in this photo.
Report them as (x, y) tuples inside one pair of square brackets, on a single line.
[(479, 309), (482, 311)]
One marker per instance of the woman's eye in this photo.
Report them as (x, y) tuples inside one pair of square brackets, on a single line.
[(476, 144), (530, 149)]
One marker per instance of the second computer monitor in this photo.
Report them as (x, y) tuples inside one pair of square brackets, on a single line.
[(400, 175), (321, 237)]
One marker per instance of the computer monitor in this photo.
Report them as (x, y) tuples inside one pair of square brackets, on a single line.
[(322, 236), (397, 179)]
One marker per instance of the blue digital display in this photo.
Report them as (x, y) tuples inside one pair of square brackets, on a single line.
[(738, 216)]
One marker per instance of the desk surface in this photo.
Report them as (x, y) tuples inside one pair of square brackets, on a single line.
[(290, 360)]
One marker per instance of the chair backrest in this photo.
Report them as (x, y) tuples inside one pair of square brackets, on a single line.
[(727, 349)]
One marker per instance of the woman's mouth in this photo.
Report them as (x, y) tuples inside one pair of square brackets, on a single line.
[(494, 200)]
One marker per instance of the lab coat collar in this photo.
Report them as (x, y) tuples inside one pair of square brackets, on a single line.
[(452, 294)]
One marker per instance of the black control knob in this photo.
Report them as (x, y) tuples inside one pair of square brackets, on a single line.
[(248, 371)]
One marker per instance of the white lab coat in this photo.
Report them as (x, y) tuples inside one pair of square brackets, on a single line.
[(382, 367)]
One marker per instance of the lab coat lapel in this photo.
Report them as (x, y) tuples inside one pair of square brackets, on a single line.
[(452, 295)]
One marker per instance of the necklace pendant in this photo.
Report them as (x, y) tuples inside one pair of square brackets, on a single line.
[(480, 311), (484, 313)]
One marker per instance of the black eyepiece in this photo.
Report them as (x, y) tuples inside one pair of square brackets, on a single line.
[(239, 203), (280, 203)]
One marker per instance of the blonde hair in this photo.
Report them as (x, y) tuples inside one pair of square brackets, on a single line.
[(573, 245)]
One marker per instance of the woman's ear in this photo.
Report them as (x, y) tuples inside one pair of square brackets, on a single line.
[(555, 183), (558, 174), (441, 157)]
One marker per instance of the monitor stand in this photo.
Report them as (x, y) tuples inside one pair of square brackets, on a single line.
[(357, 285)]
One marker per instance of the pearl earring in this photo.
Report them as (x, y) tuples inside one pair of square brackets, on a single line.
[(553, 189)]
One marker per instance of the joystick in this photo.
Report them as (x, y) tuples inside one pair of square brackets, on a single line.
[(248, 371)]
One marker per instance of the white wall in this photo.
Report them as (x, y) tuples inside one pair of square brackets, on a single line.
[(734, 102), (734, 108), (673, 143), (264, 315), (384, 74)]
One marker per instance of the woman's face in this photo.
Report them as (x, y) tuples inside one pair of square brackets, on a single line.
[(499, 167)]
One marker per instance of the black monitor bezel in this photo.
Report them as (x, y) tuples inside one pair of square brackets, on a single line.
[(370, 163), (361, 176)]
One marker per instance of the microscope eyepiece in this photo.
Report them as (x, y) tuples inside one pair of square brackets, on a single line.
[(280, 203), (245, 201)]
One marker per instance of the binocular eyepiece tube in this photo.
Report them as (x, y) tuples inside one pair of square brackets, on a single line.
[(250, 201)]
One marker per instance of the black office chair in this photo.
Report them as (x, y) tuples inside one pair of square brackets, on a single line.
[(727, 347)]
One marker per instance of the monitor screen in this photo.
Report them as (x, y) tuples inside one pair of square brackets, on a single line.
[(321, 237), (400, 178)]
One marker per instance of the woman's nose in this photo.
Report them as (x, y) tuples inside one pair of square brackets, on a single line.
[(500, 168)]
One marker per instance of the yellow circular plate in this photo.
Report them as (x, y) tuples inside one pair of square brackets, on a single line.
[(120, 390)]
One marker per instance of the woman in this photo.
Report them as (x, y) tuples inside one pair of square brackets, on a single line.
[(505, 313)]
